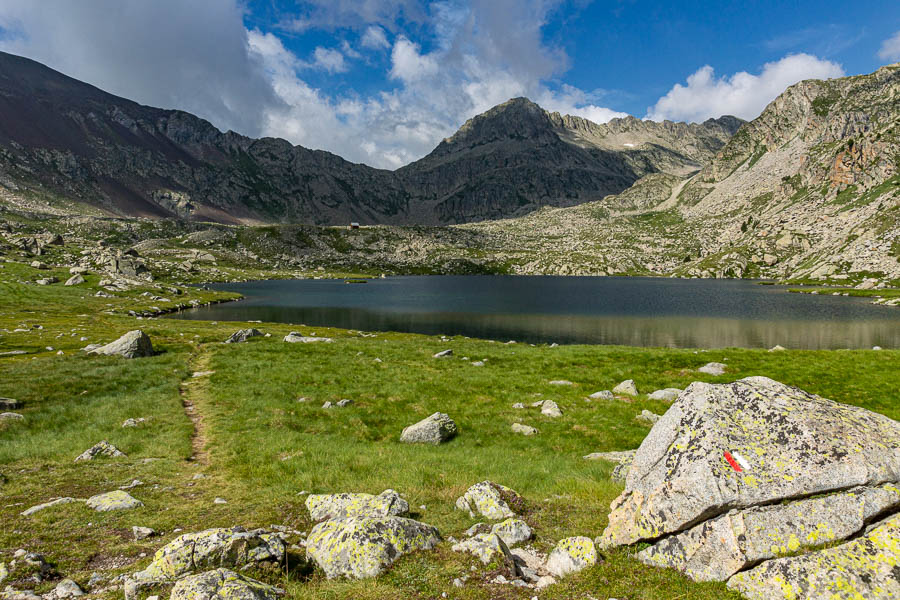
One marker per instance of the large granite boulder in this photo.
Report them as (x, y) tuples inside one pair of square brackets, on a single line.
[(362, 547), (221, 584), (748, 443), (340, 506), (867, 567), (434, 429), (134, 344), (717, 549)]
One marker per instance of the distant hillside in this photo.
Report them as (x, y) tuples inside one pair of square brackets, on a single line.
[(127, 159)]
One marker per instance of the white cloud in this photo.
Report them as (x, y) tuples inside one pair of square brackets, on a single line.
[(890, 48), (374, 38), (329, 60), (742, 94), (407, 64)]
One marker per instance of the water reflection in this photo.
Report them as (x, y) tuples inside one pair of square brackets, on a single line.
[(628, 311)]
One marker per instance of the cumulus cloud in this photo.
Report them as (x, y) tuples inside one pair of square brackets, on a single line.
[(408, 64), (374, 38), (743, 95), (890, 48), (167, 53), (329, 60)]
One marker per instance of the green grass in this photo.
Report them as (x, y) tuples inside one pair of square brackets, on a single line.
[(264, 447)]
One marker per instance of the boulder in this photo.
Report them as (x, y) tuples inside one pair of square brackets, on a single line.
[(443, 354), (487, 547), (134, 344), (512, 531), (626, 388), (11, 416), (242, 335), (142, 533), (103, 448), (490, 500), (235, 547), (866, 567), (10, 404), (523, 429), (221, 584), (67, 588), (602, 395), (39, 507), (717, 549), (666, 395), (747, 443), (550, 409), (340, 506), (296, 338), (75, 280), (115, 500), (432, 430), (47, 281), (713, 368), (361, 547), (571, 555), (133, 422)]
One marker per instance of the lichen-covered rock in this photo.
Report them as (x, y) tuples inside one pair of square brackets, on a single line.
[(361, 547), (340, 506), (751, 442), (134, 344), (39, 507), (512, 531), (650, 418), (103, 448), (486, 547), (666, 394), (114, 500), (213, 548), (626, 388), (866, 567), (221, 584), (490, 500), (571, 555), (434, 429), (67, 588), (550, 409), (717, 549), (602, 395), (296, 338), (242, 335)]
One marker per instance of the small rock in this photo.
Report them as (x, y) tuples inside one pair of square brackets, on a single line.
[(67, 589), (626, 388), (243, 335), (134, 344), (75, 280), (523, 429), (133, 422), (777, 348), (103, 448), (571, 555), (443, 353), (647, 417), (10, 404), (344, 402), (602, 395), (512, 531), (550, 409), (490, 500), (115, 500), (560, 382), (30, 511), (713, 368), (296, 338), (220, 501), (478, 363), (11, 416), (518, 405), (142, 533), (435, 429), (666, 395), (327, 404)]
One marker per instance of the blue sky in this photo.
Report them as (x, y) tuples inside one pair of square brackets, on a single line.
[(382, 82)]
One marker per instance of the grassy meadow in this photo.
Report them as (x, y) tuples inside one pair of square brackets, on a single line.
[(261, 448)]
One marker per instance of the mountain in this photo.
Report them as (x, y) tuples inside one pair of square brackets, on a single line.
[(120, 157)]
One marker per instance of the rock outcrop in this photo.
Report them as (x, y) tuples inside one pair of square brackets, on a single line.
[(435, 429), (134, 344), (340, 506)]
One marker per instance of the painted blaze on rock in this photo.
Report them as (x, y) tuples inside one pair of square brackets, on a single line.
[(784, 443), (867, 567), (361, 547)]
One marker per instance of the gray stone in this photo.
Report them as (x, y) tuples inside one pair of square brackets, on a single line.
[(115, 500), (142, 533), (866, 567), (39, 507), (47, 281), (571, 555), (443, 354), (490, 500), (133, 422), (296, 338), (666, 395), (67, 588), (560, 382), (488, 547), (75, 280), (512, 531), (626, 388), (713, 368), (717, 549), (523, 429), (242, 335), (432, 430), (362, 547), (751, 442), (11, 416), (344, 402), (648, 417), (341, 506), (134, 344), (550, 409), (222, 584), (602, 395), (103, 448)]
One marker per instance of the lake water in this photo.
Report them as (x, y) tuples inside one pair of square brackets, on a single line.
[(634, 311)]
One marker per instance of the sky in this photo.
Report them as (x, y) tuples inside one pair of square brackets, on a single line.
[(383, 82)]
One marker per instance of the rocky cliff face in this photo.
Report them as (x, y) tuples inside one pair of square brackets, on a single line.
[(79, 142)]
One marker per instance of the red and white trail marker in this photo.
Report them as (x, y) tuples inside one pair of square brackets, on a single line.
[(737, 462)]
